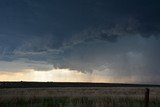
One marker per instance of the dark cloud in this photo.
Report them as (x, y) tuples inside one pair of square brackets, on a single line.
[(24, 64), (85, 35), (130, 56)]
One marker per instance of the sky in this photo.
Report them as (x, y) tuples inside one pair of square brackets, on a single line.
[(80, 41)]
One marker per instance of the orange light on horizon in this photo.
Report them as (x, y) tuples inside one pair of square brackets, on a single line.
[(55, 75), (61, 75)]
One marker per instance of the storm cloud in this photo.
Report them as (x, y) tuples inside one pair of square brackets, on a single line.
[(115, 38)]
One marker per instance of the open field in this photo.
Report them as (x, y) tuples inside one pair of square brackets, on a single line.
[(78, 97)]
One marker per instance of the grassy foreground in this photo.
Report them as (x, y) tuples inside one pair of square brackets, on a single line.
[(85, 101), (77, 97)]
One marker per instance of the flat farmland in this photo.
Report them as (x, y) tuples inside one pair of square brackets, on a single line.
[(78, 97)]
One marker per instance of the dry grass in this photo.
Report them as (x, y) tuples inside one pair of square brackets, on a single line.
[(78, 97)]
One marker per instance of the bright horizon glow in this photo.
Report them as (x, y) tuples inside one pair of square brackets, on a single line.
[(58, 75), (54, 75)]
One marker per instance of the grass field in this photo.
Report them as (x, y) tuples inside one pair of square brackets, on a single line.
[(78, 97)]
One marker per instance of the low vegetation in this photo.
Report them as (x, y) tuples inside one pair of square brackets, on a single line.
[(78, 97)]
